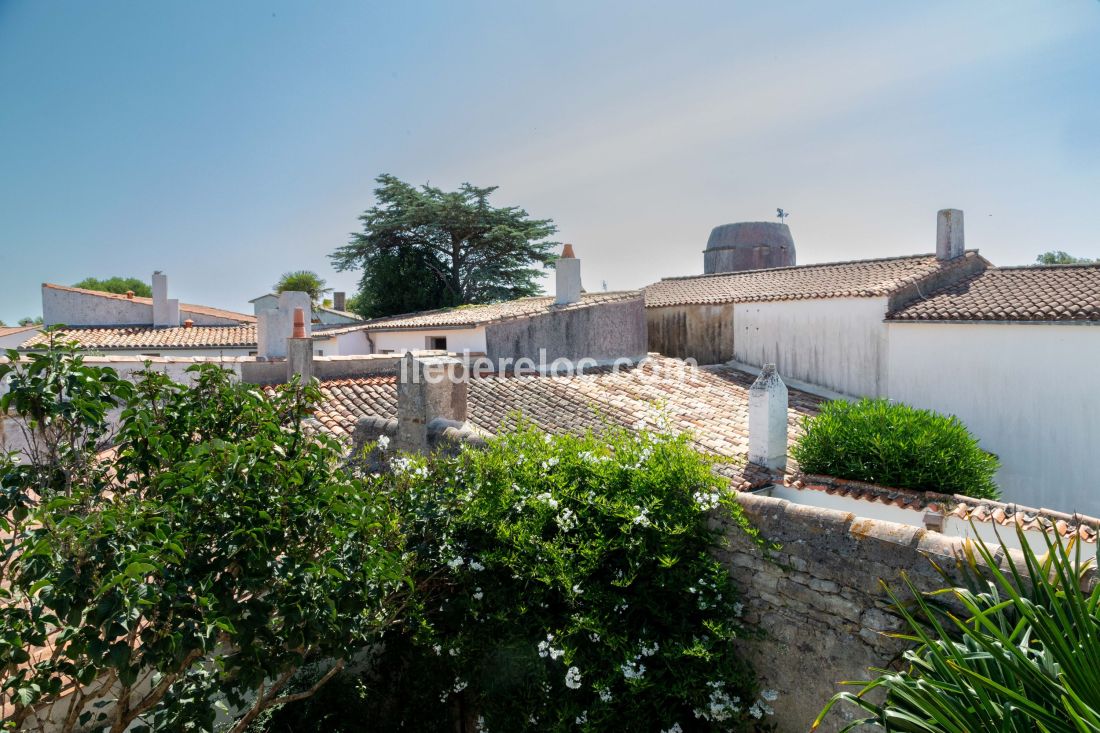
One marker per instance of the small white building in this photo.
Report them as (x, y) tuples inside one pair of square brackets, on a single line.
[(127, 324), (1013, 352), (322, 315)]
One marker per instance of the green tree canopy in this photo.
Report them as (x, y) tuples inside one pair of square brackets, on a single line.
[(118, 285), (29, 321), (424, 248), (303, 281), (1058, 257)]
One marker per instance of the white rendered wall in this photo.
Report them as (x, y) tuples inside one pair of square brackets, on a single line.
[(458, 340), (1029, 393), (838, 343)]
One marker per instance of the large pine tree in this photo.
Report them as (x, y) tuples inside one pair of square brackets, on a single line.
[(422, 248)]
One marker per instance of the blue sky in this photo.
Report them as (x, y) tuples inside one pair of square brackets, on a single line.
[(228, 142)]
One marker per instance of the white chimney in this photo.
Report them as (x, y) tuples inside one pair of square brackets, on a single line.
[(165, 312), (568, 277), (768, 420), (950, 242)]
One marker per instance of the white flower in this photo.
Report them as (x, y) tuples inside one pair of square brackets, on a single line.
[(437, 649), (546, 648), (738, 609), (577, 589), (548, 498), (453, 652), (770, 695), (573, 678), (383, 442), (566, 520), (460, 685), (755, 711), (481, 725), (478, 595), (605, 695), (475, 565), (455, 563), (582, 718), (632, 670), (649, 651), (674, 729), (642, 518)]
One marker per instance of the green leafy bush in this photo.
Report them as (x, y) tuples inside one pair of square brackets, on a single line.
[(212, 554), (1022, 656), (896, 445), (567, 584)]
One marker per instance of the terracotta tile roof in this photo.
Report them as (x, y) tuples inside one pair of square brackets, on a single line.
[(185, 308), (11, 330), (965, 508), (148, 337), (467, 316), (855, 279), (1035, 293), (710, 402)]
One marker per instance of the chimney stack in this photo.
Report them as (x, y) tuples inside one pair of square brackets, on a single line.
[(950, 242), (768, 420), (188, 323), (339, 301), (428, 388), (129, 295), (165, 312), (299, 349), (568, 277)]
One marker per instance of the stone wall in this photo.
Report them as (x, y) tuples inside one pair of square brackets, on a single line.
[(604, 332), (819, 598)]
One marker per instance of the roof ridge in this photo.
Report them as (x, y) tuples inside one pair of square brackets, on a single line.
[(1065, 266), (894, 258)]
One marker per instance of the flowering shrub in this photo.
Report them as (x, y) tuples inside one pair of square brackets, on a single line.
[(571, 588)]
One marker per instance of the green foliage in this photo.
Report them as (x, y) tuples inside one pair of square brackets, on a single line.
[(1024, 655), (1062, 258), (29, 321), (118, 285), (568, 585), (424, 248), (303, 281), (895, 445), (217, 551)]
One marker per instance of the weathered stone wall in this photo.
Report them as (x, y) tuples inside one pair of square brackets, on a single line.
[(701, 332), (604, 332), (819, 598)]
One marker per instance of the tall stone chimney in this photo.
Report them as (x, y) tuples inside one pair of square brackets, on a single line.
[(339, 300), (950, 242), (428, 388), (567, 273), (299, 349), (165, 312), (768, 420)]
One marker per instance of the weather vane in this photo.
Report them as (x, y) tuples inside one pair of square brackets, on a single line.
[(782, 214)]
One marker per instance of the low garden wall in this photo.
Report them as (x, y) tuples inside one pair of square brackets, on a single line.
[(819, 600)]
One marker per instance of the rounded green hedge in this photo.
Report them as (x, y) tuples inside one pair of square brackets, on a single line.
[(893, 444)]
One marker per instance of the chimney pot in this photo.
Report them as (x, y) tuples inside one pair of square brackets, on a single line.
[(950, 242), (339, 301), (188, 323), (299, 323), (567, 277), (130, 294)]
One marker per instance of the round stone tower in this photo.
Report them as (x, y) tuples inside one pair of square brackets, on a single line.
[(750, 245)]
